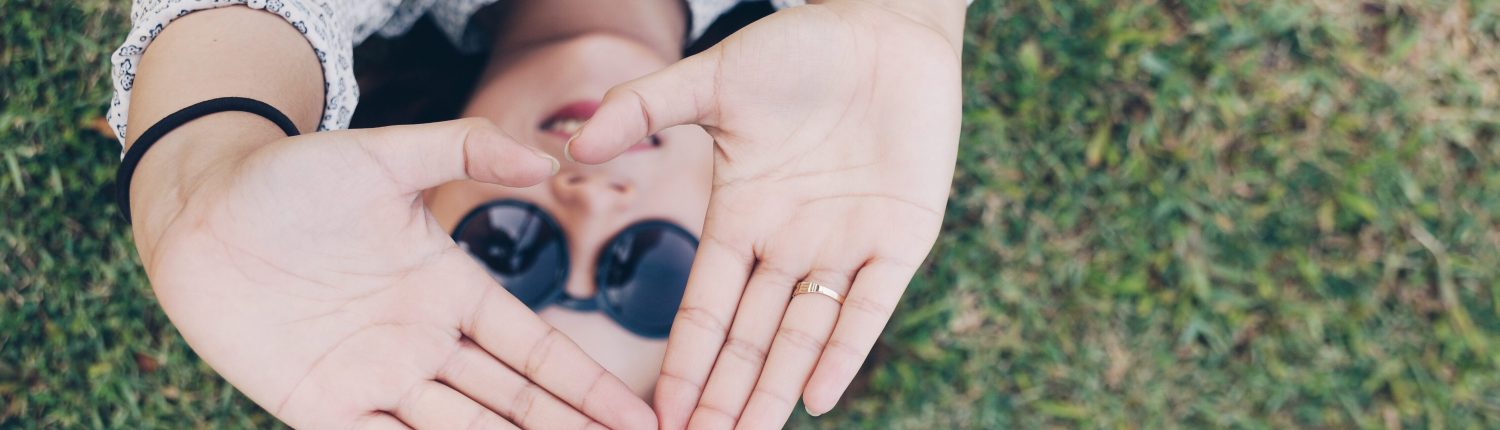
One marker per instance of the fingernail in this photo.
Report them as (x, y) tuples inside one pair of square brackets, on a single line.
[(555, 165), (568, 149), (810, 412)]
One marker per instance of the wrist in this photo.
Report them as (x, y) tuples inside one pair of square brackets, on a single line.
[(186, 160), (944, 16)]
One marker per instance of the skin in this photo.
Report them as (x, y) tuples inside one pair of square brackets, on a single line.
[(549, 67), (310, 273), (307, 272), (837, 174)]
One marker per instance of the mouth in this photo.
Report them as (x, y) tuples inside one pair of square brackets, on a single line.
[(567, 121)]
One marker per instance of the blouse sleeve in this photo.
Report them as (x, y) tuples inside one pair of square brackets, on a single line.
[(330, 26)]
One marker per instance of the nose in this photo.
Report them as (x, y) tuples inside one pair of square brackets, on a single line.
[(592, 191), (592, 197)]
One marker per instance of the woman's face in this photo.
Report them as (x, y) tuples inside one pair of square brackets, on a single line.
[(539, 97)]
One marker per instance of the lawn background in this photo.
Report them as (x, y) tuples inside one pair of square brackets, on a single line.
[(1171, 213)]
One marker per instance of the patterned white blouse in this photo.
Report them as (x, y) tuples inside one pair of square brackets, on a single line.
[(333, 27)]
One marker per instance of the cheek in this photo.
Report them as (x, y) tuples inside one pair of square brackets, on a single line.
[(683, 201), (516, 98), (688, 186)]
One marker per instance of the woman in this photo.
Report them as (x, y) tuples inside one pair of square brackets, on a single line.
[(313, 274), (549, 240)]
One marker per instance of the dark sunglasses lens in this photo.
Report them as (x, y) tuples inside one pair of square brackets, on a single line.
[(642, 274), (522, 247)]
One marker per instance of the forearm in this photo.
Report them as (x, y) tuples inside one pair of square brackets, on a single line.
[(232, 51)]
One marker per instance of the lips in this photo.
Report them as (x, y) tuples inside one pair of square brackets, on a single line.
[(568, 120)]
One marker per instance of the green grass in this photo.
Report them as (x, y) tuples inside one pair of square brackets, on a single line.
[(1172, 213)]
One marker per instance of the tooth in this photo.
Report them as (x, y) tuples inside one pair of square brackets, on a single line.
[(565, 125)]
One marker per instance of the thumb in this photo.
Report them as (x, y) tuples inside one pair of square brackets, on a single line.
[(423, 156), (683, 93)]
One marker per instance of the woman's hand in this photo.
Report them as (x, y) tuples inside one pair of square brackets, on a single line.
[(836, 131), (309, 274)]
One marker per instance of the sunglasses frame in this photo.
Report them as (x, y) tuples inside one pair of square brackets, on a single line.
[(556, 293)]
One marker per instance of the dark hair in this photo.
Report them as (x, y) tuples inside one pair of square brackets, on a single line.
[(416, 78)]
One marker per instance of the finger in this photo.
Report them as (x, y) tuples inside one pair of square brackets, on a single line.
[(482, 377), (798, 344), (423, 156), (379, 421), (683, 93), (876, 291), (713, 289), (431, 405), (510, 331), (740, 362)]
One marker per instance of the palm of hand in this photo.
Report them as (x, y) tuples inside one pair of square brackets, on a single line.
[(343, 303), (860, 140), (331, 304), (836, 131)]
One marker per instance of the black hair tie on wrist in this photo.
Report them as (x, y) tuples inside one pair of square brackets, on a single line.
[(177, 119)]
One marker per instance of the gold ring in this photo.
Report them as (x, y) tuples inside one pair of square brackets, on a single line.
[(806, 287)]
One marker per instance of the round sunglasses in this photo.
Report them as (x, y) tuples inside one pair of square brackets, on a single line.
[(640, 273)]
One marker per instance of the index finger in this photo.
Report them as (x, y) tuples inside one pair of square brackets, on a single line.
[(510, 331)]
